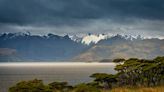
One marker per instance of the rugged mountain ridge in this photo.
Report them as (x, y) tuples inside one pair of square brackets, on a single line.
[(120, 47), (38, 48), (27, 47)]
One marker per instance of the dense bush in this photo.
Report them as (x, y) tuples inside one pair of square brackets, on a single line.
[(141, 72), (60, 86), (30, 86)]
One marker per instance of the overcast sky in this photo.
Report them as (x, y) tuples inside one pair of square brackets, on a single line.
[(134, 17)]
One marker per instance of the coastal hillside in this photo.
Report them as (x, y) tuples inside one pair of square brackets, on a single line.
[(119, 47)]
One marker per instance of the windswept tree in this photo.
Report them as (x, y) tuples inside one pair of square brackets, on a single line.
[(119, 60), (60, 86), (104, 80), (140, 71)]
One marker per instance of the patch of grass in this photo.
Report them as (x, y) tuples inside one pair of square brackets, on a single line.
[(137, 89)]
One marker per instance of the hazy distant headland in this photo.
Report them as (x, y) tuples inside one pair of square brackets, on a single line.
[(21, 47)]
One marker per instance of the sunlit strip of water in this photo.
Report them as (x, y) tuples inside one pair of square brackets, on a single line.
[(35, 64)]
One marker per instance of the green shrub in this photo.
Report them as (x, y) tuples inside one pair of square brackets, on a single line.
[(30, 86)]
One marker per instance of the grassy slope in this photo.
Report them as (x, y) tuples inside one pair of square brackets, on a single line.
[(141, 89)]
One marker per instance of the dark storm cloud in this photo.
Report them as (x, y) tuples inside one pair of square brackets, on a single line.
[(149, 9), (45, 11), (61, 12), (144, 17)]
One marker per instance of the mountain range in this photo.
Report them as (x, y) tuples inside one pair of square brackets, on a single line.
[(90, 47)]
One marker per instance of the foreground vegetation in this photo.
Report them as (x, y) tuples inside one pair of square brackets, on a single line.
[(137, 89), (133, 75)]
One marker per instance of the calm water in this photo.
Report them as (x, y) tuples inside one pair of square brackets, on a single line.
[(11, 73)]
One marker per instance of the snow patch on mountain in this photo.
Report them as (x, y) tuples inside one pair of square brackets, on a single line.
[(75, 38), (93, 38), (132, 37)]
